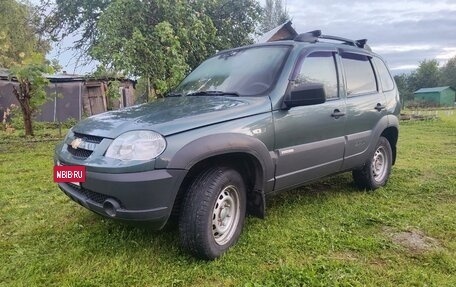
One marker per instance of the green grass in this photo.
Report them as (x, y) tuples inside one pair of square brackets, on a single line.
[(324, 234)]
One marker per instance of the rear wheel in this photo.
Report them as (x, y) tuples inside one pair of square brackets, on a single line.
[(213, 212), (375, 173)]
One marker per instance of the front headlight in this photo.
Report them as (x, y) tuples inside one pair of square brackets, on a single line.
[(137, 145)]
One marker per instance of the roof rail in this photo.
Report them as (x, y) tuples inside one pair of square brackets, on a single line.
[(313, 36)]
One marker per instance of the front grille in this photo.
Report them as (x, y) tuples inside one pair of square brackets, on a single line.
[(79, 153), (88, 138), (85, 150)]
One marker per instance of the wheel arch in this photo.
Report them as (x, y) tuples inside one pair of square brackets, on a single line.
[(387, 127), (392, 134), (246, 154)]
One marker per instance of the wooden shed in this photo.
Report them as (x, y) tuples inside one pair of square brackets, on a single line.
[(437, 96), (73, 96)]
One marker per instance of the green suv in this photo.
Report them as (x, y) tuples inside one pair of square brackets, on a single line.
[(247, 123)]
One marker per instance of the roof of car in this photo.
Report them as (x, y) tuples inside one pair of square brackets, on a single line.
[(314, 38)]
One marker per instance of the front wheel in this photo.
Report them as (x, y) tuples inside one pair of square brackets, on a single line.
[(375, 173), (213, 212)]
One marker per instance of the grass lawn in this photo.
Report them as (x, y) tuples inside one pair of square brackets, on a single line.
[(324, 234)]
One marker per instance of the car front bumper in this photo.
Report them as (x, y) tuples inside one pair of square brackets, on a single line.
[(142, 196)]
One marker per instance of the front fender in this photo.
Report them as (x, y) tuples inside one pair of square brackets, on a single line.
[(225, 143)]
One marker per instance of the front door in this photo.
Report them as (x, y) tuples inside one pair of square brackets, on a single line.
[(309, 140)]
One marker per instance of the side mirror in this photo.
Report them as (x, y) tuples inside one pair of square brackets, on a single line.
[(306, 95)]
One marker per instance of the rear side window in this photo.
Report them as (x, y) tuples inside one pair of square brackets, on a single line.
[(319, 67), (359, 74), (385, 76)]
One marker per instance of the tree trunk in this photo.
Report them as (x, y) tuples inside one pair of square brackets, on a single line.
[(27, 115), (23, 97)]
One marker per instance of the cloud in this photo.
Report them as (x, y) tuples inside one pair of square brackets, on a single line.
[(447, 54), (401, 48), (403, 32)]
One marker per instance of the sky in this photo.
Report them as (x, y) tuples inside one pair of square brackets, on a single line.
[(403, 32)]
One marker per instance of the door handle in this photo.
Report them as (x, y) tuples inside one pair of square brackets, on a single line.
[(379, 107), (337, 114)]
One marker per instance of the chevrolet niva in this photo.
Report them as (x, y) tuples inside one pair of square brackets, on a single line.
[(247, 123)]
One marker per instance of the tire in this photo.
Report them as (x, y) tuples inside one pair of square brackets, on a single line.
[(376, 171), (213, 213)]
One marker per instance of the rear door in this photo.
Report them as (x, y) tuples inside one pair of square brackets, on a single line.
[(365, 106), (309, 140)]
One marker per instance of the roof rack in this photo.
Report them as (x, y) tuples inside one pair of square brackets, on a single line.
[(313, 36)]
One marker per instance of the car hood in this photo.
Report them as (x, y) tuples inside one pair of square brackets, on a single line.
[(173, 115)]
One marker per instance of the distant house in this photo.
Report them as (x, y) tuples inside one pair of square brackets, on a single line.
[(438, 96), (72, 96), (281, 32)]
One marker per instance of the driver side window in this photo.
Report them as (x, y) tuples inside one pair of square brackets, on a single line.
[(319, 68)]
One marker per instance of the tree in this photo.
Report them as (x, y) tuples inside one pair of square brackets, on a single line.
[(426, 76), (158, 40), (22, 50), (405, 91), (448, 73), (274, 15), (32, 83), (19, 34), (235, 21), (70, 17), (150, 39)]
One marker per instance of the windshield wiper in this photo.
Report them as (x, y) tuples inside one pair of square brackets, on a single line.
[(170, 95), (213, 93)]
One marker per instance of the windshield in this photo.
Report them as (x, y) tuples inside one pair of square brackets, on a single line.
[(245, 72)]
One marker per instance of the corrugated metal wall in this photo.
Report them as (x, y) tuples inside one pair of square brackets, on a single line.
[(73, 99), (63, 104), (448, 98)]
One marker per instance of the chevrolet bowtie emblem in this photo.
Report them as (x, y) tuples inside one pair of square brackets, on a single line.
[(76, 143)]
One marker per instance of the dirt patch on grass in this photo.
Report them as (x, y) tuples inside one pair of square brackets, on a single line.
[(414, 240)]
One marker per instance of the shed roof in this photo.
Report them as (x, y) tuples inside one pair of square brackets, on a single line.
[(268, 35), (433, 90), (64, 78)]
